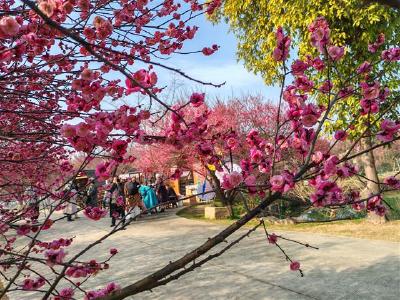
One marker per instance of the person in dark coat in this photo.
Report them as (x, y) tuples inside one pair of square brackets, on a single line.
[(91, 194), (132, 193), (117, 202), (172, 197), (161, 191)]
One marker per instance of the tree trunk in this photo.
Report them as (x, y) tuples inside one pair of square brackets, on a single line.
[(371, 174)]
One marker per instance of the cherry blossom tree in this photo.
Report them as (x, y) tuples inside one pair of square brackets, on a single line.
[(59, 60)]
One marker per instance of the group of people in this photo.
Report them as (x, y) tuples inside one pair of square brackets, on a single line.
[(130, 196), (123, 198)]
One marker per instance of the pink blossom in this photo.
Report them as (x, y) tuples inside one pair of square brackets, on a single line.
[(317, 157), (335, 52), (9, 26), (272, 238), (231, 180), (277, 182), (310, 115), (370, 90), (392, 54), (303, 83), (281, 51), (32, 285), (23, 229), (388, 130), (102, 170), (255, 155), (68, 131), (369, 106), (54, 257), (330, 165), (283, 182), (379, 42), (232, 143), (235, 178), (94, 213), (365, 67), (326, 193), (250, 182), (82, 129), (47, 7), (340, 135), (209, 51), (113, 251), (197, 99), (66, 294), (298, 67), (320, 33), (393, 182), (358, 206), (326, 87), (294, 266)]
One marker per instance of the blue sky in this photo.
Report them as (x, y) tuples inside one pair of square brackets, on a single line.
[(219, 67)]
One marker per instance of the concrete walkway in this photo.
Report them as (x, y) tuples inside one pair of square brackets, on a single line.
[(343, 268)]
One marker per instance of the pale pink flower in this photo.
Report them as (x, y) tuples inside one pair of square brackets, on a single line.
[(9, 26), (294, 266), (277, 182), (255, 155), (335, 52), (68, 131)]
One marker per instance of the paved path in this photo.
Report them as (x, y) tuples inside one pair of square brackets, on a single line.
[(343, 268)]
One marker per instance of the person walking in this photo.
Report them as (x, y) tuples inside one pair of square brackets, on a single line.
[(161, 192), (172, 197), (117, 202), (149, 197), (132, 194), (91, 194), (71, 208)]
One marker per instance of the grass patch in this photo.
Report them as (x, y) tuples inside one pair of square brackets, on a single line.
[(359, 228)]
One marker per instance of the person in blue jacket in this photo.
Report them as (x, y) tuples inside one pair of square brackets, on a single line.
[(148, 196)]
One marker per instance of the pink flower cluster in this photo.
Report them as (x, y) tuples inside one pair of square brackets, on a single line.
[(294, 266), (55, 244), (374, 204), (103, 292), (92, 267), (231, 180), (393, 182), (54, 257), (392, 54), (388, 130), (283, 182), (209, 51), (272, 238), (281, 50), (326, 192), (197, 99), (9, 27), (320, 34), (142, 80), (375, 45), (65, 294), (32, 285), (94, 213)]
